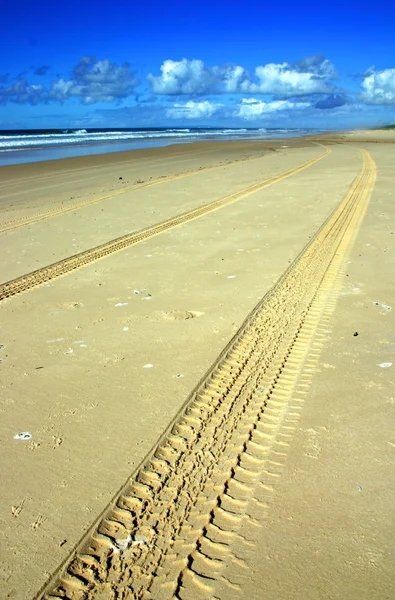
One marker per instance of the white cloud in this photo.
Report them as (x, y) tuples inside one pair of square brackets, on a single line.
[(92, 81), (61, 89), (379, 87), (193, 77), (192, 110), (21, 92), (95, 81), (252, 109), (233, 78), (285, 80), (318, 65), (183, 77), (309, 76)]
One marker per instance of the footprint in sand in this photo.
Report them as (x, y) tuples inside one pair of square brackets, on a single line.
[(181, 315), (71, 305)]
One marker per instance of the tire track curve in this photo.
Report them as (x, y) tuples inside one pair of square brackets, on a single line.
[(62, 267), (170, 531), (31, 219)]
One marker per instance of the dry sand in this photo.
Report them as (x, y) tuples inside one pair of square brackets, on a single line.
[(96, 364), (370, 136)]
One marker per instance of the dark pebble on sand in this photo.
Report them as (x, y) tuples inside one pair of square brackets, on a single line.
[(356, 333)]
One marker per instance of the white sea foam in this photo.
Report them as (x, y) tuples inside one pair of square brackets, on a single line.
[(82, 136), (32, 146)]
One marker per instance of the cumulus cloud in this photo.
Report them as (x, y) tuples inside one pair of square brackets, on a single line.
[(285, 80), (379, 87), (192, 110), (308, 76), (183, 77), (252, 109), (192, 77), (317, 65), (233, 78), (92, 81), (95, 81), (21, 92)]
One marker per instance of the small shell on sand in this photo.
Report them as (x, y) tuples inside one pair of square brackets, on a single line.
[(148, 366), (120, 545), (23, 435), (384, 365), (385, 306)]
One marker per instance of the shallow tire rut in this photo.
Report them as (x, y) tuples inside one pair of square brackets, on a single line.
[(54, 212), (172, 530), (62, 267)]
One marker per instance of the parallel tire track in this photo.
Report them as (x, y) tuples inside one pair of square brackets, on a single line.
[(351, 141), (180, 157), (54, 212), (169, 533), (45, 274)]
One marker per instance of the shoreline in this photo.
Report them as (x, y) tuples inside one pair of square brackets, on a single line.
[(31, 187), (81, 147), (104, 149), (175, 148)]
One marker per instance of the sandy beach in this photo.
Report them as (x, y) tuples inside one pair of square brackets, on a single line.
[(197, 342)]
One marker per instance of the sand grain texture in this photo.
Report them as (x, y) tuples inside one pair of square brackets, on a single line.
[(73, 375)]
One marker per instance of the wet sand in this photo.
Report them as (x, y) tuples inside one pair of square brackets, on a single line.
[(97, 363)]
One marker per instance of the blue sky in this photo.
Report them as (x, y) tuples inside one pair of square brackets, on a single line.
[(199, 63)]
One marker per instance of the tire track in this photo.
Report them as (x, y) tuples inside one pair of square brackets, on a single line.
[(285, 406), (28, 179), (358, 142), (170, 531), (45, 274), (54, 212)]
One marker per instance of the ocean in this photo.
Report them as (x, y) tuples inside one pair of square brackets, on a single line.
[(24, 146)]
